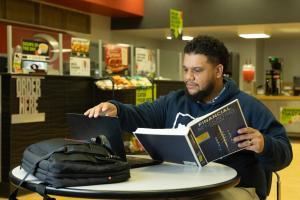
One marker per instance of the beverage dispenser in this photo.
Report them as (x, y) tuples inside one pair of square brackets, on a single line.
[(248, 72), (273, 77)]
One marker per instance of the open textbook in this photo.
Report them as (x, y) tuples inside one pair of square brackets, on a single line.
[(205, 139)]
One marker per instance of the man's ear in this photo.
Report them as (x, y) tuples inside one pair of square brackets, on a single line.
[(219, 70)]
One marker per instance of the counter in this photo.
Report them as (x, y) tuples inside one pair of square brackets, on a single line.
[(278, 98), (277, 103)]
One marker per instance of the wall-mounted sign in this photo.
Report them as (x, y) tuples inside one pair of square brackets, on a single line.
[(35, 50), (143, 95), (80, 66), (116, 59), (145, 61), (176, 23), (80, 47), (28, 91)]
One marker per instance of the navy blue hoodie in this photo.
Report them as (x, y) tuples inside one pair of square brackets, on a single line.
[(176, 108)]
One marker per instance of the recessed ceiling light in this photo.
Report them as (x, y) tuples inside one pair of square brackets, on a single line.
[(63, 50), (254, 35), (123, 45), (187, 38)]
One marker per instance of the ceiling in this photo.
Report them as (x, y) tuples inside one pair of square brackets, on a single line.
[(286, 30)]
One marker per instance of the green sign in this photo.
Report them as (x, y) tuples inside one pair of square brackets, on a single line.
[(289, 115), (176, 23), (35, 47), (144, 95)]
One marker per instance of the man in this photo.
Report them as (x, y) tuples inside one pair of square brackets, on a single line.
[(267, 147)]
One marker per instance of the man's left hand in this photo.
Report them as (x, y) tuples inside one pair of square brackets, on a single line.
[(250, 139)]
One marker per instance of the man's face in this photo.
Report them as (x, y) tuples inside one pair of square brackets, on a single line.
[(200, 76)]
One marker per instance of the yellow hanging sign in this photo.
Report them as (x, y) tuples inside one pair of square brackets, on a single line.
[(176, 23)]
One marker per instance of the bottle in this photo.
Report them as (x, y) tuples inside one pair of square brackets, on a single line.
[(17, 60)]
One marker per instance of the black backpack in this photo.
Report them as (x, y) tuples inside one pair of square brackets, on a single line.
[(66, 163)]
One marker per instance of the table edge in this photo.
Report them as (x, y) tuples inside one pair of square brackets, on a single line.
[(203, 190)]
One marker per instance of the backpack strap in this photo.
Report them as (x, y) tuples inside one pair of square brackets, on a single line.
[(13, 195), (41, 189)]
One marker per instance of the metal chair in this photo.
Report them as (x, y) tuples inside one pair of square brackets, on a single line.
[(278, 183)]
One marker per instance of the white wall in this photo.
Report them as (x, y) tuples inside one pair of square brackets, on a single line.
[(100, 29), (116, 37), (246, 50), (260, 66), (289, 50), (172, 45), (170, 66)]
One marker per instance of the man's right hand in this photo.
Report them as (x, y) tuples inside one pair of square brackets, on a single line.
[(102, 109)]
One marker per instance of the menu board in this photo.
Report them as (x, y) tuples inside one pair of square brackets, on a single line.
[(116, 59)]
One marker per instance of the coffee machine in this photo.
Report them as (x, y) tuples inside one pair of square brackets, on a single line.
[(273, 77), (296, 85)]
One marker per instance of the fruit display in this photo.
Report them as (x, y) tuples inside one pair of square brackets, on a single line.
[(122, 82), (106, 84), (140, 81)]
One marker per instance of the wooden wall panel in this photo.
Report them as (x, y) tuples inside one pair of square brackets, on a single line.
[(77, 22), (2, 8), (52, 16), (33, 12), (22, 11)]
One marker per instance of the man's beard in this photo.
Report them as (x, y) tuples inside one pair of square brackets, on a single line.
[(202, 94)]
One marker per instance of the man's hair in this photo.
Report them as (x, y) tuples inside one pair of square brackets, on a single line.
[(211, 47)]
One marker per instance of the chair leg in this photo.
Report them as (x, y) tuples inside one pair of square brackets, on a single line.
[(278, 194)]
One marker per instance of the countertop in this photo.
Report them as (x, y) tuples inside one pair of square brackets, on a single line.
[(277, 98)]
